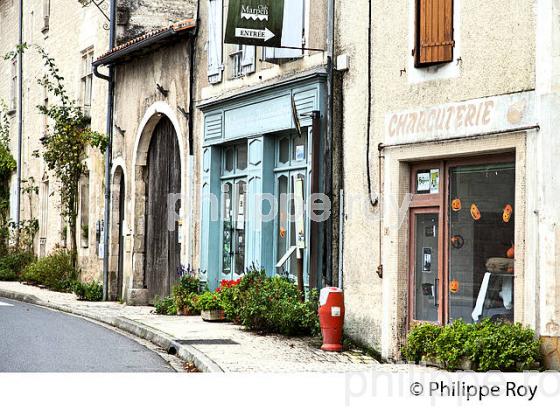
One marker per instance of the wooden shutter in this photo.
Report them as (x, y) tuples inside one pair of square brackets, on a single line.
[(434, 32), (215, 41)]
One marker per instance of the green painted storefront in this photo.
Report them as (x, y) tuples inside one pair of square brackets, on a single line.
[(254, 161)]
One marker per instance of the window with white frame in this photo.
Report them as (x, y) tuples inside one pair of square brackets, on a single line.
[(87, 81), (242, 61)]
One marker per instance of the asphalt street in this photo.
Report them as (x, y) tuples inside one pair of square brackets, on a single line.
[(33, 339)]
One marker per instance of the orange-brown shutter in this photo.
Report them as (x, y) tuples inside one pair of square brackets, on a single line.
[(434, 32)]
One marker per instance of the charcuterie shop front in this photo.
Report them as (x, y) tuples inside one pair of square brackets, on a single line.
[(457, 224), (462, 233)]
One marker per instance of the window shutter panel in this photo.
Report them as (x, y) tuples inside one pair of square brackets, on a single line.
[(435, 42), (215, 40), (248, 60), (292, 34)]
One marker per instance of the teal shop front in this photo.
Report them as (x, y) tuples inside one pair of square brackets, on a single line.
[(256, 168)]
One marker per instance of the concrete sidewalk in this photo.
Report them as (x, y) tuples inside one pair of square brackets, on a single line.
[(212, 347)]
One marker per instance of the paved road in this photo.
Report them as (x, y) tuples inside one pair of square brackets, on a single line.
[(34, 339)]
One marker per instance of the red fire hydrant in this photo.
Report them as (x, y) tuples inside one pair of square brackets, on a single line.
[(331, 317)]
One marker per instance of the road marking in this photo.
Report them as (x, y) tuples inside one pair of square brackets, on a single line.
[(5, 304)]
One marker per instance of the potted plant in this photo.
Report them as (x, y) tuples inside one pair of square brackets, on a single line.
[(210, 306), (185, 294)]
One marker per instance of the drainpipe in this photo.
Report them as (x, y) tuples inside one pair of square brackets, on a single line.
[(20, 119), (329, 143), (109, 152)]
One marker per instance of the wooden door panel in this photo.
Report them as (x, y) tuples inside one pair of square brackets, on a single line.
[(164, 178)]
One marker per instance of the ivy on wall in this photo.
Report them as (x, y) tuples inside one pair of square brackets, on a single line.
[(7, 167), (65, 144)]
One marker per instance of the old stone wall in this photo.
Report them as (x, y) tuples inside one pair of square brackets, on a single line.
[(139, 105), (138, 17), (494, 54), (71, 30)]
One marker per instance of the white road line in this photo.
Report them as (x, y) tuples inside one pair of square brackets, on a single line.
[(5, 304)]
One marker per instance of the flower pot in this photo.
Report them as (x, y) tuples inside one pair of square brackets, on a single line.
[(213, 315)]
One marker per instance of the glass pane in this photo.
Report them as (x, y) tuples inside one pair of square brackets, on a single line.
[(226, 215), (427, 181), (282, 223), (229, 154), (284, 150), (481, 232), (297, 218), (242, 157), (426, 267), (299, 147), (239, 231)]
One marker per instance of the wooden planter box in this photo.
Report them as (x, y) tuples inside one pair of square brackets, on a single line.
[(213, 315)]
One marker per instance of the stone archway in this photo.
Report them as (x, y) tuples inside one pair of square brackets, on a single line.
[(139, 291), (117, 249)]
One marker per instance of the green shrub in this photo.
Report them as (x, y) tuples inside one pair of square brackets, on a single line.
[(420, 342), (13, 264), (209, 301), (189, 283), (489, 345), (230, 298), (273, 305), (505, 347), (54, 272), (185, 301), (165, 306), (185, 294), (92, 292), (452, 345)]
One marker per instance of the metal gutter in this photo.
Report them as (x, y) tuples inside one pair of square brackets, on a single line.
[(20, 119), (328, 148), (109, 151)]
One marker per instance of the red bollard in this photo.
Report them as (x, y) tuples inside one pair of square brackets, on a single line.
[(331, 317)]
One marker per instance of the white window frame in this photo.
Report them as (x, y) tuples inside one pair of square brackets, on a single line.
[(86, 81), (243, 61), (215, 45)]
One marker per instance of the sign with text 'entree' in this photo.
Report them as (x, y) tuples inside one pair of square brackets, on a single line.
[(255, 22)]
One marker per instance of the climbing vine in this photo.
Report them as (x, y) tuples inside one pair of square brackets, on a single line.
[(65, 148), (7, 167), (66, 143)]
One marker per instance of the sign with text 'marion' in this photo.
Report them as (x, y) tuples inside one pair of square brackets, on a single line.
[(255, 22)]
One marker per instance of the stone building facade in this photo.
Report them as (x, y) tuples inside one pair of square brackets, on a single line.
[(72, 35), (461, 166), (152, 165)]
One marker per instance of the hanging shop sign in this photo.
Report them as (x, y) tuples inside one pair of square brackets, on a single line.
[(488, 115), (255, 22)]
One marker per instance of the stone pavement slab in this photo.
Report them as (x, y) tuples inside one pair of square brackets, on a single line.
[(213, 347)]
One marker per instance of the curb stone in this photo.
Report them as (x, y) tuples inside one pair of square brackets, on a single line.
[(185, 352)]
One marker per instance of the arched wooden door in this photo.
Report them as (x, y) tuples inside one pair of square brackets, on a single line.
[(163, 178)]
